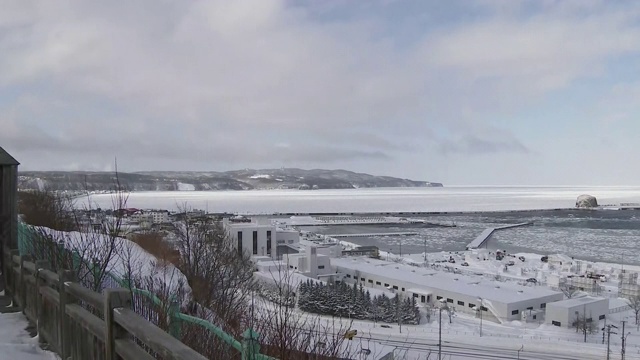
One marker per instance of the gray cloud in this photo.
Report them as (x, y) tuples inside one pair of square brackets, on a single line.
[(205, 84)]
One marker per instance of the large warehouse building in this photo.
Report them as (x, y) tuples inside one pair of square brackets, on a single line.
[(500, 301)]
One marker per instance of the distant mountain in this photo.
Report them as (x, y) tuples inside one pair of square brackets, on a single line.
[(246, 179)]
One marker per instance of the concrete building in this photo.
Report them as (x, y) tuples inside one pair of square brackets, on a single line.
[(252, 238), (628, 284), (258, 237), (564, 313), (314, 262), (500, 301)]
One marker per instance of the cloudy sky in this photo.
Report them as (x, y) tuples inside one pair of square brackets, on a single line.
[(462, 92)]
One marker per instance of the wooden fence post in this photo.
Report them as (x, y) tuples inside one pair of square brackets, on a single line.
[(23, 288), (114, 298), (250, 345), (65, 332), (13, 276), (40, 265)]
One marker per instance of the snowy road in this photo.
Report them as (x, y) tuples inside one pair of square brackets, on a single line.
[(15, 342)]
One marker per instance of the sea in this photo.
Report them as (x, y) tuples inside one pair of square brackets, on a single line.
[(600, 235)]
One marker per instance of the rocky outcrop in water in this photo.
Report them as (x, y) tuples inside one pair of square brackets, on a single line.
[(586, 202)]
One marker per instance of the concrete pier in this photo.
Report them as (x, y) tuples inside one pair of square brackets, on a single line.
[(486, 234)]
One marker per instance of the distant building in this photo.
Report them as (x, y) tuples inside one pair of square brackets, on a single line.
[(260, 239), (564, 313), (499, 301), (371, 251)]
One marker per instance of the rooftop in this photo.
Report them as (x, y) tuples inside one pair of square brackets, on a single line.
[(569, 303), (475, 286), (6, 159)]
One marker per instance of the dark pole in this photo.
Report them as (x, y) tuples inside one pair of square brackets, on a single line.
[(623, 339), (608, 340), (605, 326), (440, 336)]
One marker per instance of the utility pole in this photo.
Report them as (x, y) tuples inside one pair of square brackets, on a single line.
[(440, 336), (624, 338), (609, 332), (425, 251), (605, 326)]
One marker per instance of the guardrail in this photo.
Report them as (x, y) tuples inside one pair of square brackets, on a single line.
[(83, 324)]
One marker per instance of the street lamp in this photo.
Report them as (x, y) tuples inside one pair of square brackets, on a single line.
[(480, 310)]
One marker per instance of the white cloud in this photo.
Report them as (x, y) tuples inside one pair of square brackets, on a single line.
[(213, 81)]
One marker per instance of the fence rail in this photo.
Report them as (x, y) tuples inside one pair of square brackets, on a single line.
[(79, 323)]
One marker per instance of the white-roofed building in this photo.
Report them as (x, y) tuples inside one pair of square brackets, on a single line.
[(501, 301), (564, 313)]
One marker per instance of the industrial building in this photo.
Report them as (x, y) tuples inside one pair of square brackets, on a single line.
[(564, 313), (499, 301)]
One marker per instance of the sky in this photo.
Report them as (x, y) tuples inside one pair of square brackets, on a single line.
[(463, 92)]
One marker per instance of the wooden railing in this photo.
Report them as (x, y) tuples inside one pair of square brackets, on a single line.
[(78, 323), (27, 275)]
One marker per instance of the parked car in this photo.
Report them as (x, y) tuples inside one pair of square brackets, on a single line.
[(544, 258), (465, 264), (532, 280), (385, 326), (511, 263), (521, 258)]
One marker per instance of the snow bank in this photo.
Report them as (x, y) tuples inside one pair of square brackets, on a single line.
[(143, 263)]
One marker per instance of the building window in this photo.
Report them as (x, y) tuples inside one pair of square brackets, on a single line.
[(402, 289), (362, 279), (349, 276), (461, 303), (378, 283), (438, 297), (268, 242), (321, 267), (515, 312), (422, 299), (255, 243), (543, 306), (483, 308), (530, 308), (395, 287), (472, 305), (415, 296), (386, 285), (240, 242), (601, 317), (370, 281), (450, 301), (534, 317), (556, 323)]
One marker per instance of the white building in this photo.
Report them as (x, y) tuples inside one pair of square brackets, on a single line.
[(252, 238), (287, 236), (314, 262), (258, 237), (564, 313), (500, 301), (151, 216)]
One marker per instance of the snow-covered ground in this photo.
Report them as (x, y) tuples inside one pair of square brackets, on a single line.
[(537, 340), (16, 343)]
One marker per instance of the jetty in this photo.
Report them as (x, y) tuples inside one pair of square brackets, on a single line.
[(482, 239), (374, 234)]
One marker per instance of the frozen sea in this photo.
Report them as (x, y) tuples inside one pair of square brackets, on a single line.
[(610, 236), (446, 199)]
